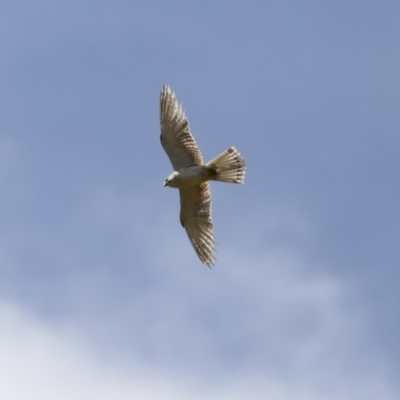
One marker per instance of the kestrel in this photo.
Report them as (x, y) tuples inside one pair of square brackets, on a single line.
[(190, 175)]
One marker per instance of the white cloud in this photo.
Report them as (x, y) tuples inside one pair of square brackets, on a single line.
[(43, 362), (39, 361)]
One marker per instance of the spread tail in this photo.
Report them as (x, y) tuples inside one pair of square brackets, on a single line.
[(229, 166)]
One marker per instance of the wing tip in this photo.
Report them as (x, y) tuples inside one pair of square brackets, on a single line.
[(210, 264), (168, 97), (165, 87)]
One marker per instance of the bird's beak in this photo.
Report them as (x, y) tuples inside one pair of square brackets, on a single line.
[(165, 183)]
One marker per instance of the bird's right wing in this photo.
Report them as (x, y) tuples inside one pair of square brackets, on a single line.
[(176, 138), (196, 219)]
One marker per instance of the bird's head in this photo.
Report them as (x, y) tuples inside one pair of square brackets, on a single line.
[(172, 180)]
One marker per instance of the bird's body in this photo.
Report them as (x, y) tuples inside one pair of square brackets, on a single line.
[(190, 174)]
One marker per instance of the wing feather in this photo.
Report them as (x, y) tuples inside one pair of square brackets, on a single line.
[(176, 138), (196, 219)]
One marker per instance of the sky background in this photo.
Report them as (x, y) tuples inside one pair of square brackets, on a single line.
[(101, 294)]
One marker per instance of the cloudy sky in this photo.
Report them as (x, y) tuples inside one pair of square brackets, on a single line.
[(102, 296)]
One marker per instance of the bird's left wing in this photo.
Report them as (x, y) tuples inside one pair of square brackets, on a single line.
[(176, 138), (196, 219)]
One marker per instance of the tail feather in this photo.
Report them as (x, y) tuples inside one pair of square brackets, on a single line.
[(229, 166)]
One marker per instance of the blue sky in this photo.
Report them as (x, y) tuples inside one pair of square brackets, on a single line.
[(101, 294)]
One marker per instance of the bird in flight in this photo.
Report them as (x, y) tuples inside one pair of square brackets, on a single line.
[(191, 175)]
